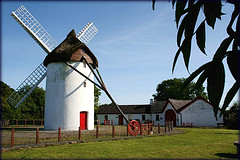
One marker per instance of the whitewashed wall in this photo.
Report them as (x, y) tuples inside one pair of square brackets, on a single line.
[(200, 113), (114, 117), (66, 96)]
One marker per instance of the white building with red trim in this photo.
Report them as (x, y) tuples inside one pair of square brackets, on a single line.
[(197, 113)]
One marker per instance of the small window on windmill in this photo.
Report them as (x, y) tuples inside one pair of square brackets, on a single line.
[(157, 117), (84, 84), (130, 117), (143, 117)]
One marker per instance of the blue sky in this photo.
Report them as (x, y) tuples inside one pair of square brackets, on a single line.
[(135, 45)]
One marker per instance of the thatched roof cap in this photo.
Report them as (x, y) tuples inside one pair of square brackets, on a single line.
[(71, 49)]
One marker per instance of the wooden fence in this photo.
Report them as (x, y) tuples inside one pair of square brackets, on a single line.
[(22, 122), (145, 129)]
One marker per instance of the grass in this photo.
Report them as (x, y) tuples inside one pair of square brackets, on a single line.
[(196, 143)]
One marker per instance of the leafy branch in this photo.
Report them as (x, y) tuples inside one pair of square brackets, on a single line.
[(186, 14)]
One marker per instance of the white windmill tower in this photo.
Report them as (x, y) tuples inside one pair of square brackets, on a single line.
[(65, 117)]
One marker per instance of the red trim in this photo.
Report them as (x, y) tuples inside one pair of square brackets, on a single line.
[(165, 105)]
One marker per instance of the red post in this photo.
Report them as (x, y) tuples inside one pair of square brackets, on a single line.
[(59, 134), (165, 127), (149, 128), (141, 129), (12, 138), (169, 126), (33, 122), (79, 133), (16, 122), (98, 121), (25, 123), (97, 132), (159, 127), (37, 136), (113, 131)]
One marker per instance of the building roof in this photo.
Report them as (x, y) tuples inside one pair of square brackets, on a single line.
[(71, 49), (157, 106), (126, 109), (178, 104)]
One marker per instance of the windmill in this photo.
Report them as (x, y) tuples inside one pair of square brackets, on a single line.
[(58, 112), (47, 43)]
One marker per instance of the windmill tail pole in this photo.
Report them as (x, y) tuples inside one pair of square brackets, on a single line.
[(101, 87), (100, 81)]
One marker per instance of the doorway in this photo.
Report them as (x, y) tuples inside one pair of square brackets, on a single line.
[(120, 120), (170, 116), (83, 120)]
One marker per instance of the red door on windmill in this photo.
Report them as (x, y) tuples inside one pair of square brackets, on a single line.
[(83, 120), (170, 116)]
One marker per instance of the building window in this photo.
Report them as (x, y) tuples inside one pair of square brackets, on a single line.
[(157, 117), (143, 117), (106, 117), (130, 117), (84, 84)]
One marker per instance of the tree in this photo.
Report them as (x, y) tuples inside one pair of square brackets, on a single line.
[(213, 71), (97, 94), (171, 88), (231, 117), (7, 112)]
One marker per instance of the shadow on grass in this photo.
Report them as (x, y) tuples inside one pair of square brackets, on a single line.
[(227, 155)]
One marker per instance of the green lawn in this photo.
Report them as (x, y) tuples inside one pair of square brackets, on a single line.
[(195, 143)]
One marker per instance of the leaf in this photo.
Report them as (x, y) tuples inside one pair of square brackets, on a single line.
[(179, 11), (173, 2), (200, 37), (181, 30), (215, 84), (221, 51), (186, 50), (212, 10), (231, 93), (201, 79), (175, 58), (192, 19), (194, 75), (233, 60), (153, 4)]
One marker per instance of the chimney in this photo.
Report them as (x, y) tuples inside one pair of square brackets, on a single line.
[(151, 101)]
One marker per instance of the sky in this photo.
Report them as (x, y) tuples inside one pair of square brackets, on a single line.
[(135, 45)]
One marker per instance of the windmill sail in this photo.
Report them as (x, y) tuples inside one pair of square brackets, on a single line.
[(34, 29), (87, 33), (27, 86), (41, 36)]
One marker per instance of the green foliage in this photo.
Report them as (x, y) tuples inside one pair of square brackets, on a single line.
[(97, 94), (171, 88), (231, 117), (31, 108), (186, 13), (7, 112)]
